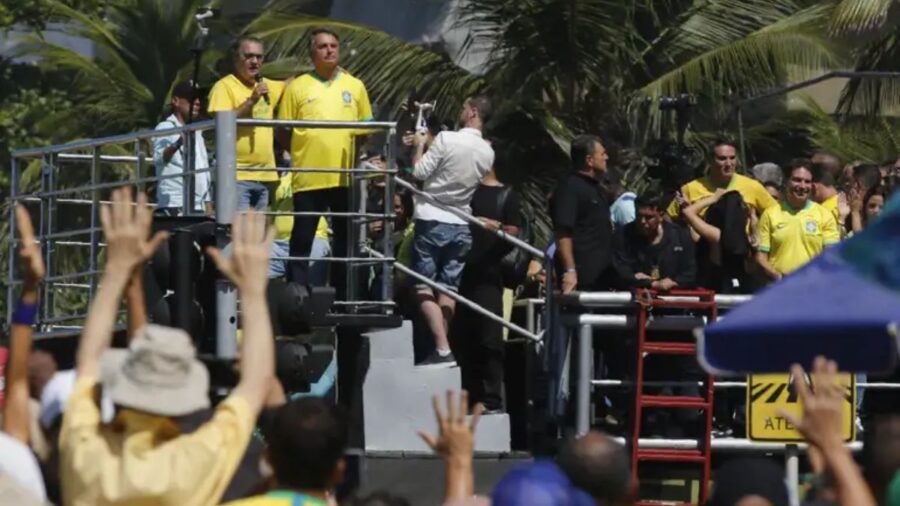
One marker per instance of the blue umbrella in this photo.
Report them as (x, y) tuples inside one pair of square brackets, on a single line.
[(845, 304)]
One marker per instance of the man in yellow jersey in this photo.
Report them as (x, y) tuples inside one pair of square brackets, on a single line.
[(251, 96), (793, 233), (723, 174), (321, 248), (826, 195), (307, 438), (329, 93)]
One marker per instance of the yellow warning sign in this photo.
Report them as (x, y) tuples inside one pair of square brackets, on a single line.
[(768, 394)]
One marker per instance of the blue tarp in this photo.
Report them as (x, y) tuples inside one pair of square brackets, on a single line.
[(845, 304)]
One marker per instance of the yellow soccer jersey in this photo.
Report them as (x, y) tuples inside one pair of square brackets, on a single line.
[(284, 202), (308, 97), (792, 238), (753, 193), (255, 145), (831, 205)]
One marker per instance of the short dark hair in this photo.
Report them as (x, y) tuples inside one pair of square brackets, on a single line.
[(582, 146), (720, 141), (868, 175), (482, 104), (822, 174), (598, 465), (796, 163), (320, 30), (881, 453), (830, 162), (235, 48), (307, 438), (652, 200)]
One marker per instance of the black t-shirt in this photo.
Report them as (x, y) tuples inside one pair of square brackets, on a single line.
[(487, 248), (580, 208), (672, 257)]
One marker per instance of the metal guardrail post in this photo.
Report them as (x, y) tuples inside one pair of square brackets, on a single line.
[(11, 241), (585, 373), (226, 206), (387, 281), (95, 213), (792, 470), (49, 172)]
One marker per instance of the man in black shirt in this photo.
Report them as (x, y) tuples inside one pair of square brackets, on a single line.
[(581, 222), (478, 342), (651, 252)]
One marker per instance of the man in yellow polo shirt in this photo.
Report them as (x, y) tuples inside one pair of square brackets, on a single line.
[(723, 174), (793, 233), (329, 93), (245, 91), (826, 195)]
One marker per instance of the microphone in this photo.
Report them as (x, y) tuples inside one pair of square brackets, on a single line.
[(259, 79)]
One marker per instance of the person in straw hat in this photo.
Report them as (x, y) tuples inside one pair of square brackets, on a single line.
[(141, 456)]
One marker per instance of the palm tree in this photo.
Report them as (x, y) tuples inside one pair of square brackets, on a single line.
[(567, 66), (141, 51)]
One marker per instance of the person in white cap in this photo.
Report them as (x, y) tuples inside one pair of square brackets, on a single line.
[(141, 457)]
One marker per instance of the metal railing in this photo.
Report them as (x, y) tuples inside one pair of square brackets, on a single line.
[(76, 178)]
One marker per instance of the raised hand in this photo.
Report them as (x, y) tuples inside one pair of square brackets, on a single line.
[(456, 434), (126, 228), (248, 265), (30, 251), (822, 406)]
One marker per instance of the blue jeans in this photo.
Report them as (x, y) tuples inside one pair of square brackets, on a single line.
[(439, 251), (254, 195), (318, 271)]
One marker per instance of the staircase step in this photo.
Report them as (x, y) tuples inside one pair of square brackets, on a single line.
[(674, 401), (695, 456)]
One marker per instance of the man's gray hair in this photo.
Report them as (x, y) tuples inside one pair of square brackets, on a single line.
[(768, 172)]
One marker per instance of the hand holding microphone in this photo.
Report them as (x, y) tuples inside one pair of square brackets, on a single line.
[(261, 90)]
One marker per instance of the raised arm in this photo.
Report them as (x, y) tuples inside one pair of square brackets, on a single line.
[(134, 302), (15, 412), (455, 443), (248, 269), (126, 229), (692, 212)]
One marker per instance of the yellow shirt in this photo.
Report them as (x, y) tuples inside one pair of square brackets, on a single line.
[(344, 98), (255, 145), (279, 498), (753, 193), (143, 459), (792, 238), (831, 205), (284, 202)]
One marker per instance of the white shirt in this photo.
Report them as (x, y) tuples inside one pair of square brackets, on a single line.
[(451, 170), (170, 191), (17, 462)]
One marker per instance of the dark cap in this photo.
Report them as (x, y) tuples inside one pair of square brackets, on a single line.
[(184, 89)]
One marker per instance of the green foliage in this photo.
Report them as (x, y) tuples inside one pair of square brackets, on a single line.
[(36, 14)]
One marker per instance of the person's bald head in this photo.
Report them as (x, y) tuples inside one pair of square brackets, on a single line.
[(599, 466)]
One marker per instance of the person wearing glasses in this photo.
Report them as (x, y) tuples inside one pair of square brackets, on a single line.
[(251, 96)]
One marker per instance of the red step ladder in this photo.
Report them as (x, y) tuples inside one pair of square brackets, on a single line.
[(647, 300)]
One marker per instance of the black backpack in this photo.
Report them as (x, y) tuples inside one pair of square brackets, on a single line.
[(514, 265)]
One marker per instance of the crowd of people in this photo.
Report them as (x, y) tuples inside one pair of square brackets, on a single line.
[(135, 425)]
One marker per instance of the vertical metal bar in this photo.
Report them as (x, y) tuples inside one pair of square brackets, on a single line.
[(529, 316), (11, 248), (584, 376), (740, 119), (49, 171), (187, 174), (95, 210), (792, 471), (387, 270), (139, 166), (226, 206)]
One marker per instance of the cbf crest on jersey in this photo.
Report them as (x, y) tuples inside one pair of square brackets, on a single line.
[(347, 97)]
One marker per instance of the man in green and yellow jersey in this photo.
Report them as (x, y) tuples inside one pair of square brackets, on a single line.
[(327, 93), (723, 174), (793, 233), (251, 96)]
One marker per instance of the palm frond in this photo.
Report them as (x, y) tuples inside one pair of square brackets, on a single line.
[(871, 96), (855, 16), (751, 63)]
